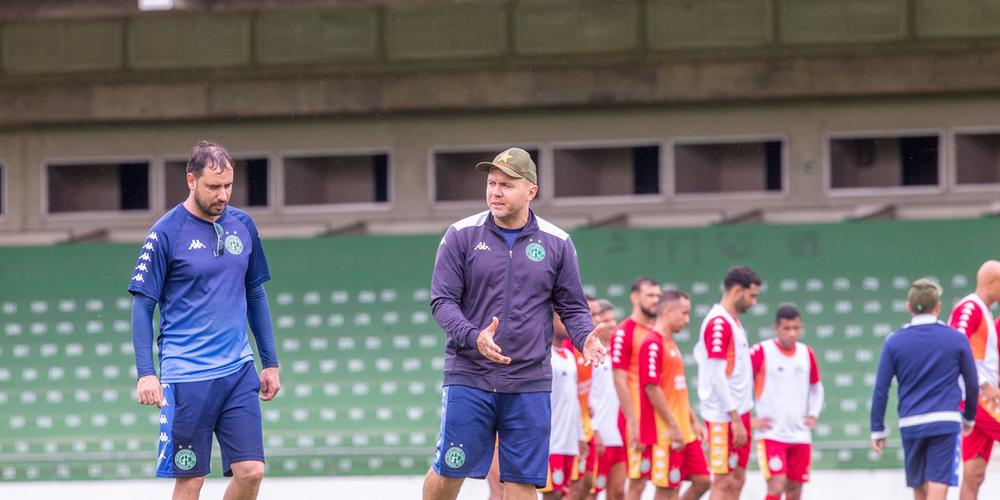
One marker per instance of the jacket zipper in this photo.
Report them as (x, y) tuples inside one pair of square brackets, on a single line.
[(506, 296), (507, 293)]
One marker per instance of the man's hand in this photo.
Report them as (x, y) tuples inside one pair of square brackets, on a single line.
[(489, 349), (878, 445), (598, 444), (699, 430), (632, 429), (676, 438), (810, 422), (269, 384), (761, 424), (148, 391), (966, 427), (990, 393), (739, 433), (594, 350)]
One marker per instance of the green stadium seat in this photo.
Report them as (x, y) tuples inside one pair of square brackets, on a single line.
[(362, 356)]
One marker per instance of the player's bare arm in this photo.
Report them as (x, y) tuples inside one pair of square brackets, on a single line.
[(810, 422), (598, 443), (990, 392), (764, 424), (739, 430), (699, 430), (627, 408), (659, 402)]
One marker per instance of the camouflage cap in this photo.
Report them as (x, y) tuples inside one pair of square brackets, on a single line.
[(924, 296), (514, 162)]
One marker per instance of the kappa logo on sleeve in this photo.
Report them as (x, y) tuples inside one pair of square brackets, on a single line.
[(196, 245)]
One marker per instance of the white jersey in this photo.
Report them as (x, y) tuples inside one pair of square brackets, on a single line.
[(722, 337), (783, 383), (567, 429), (604, 406)]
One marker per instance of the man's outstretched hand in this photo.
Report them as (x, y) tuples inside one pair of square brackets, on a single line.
[(489, 349), (594, 350)]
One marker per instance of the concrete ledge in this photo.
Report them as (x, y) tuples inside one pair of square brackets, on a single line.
[(627, 82)]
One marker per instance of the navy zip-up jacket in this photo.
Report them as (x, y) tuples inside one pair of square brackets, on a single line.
[(477, 276), (926, 357)]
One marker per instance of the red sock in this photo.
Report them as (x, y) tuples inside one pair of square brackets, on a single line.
[(772, 497)]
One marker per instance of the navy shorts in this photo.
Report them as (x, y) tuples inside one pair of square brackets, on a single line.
[(228, 407), (932, 458), (473, 419)]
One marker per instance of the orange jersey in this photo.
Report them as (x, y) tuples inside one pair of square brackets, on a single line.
[(625, 345), (663, 366), (584, 374)]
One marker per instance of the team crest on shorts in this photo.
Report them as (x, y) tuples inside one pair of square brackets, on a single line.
[(557, 476), (535, 252), (454, 457), (775, 463), (234, 244), (185, 459), (644, 465), (733, 461), (675, 475)]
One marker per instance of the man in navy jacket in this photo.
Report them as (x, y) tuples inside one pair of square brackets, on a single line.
[(498, 277), (927, 358)]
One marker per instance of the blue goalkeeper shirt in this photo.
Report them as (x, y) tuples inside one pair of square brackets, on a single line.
[(200, 281)]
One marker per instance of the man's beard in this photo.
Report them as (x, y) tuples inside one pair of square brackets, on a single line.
[(742, 306), (207, 209), (648, 312)]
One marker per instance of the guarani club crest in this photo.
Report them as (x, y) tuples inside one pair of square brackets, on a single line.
[(234, 244), (535, 252), (185, 459), (454, 457)]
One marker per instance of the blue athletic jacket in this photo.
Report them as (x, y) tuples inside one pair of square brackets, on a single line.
[(477, 276), (926, 357)]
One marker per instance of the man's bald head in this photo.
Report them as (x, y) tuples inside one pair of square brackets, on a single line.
[(988, 281)]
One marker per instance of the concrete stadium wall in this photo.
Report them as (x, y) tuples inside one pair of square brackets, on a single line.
[(410, 141), (98, 79)]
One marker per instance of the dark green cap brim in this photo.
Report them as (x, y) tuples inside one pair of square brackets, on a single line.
[(486, 166)]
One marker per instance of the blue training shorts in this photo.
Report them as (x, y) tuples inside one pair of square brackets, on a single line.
[(932, 458), (472, 420), (228, 407)]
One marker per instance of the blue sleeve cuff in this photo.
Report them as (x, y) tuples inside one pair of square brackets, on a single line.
[(471, 338)]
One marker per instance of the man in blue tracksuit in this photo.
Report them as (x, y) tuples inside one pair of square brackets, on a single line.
[(498, 277), (927, 358)]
